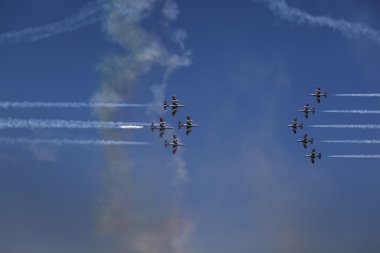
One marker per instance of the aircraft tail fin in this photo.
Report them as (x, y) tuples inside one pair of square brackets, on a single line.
[(165, 105), (179, 124), (152, 127), (312, 141), (320, 155), (301, 126), (313, 110)]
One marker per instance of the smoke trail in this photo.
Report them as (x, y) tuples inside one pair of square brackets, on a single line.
[(71, 124), (353, 141), (9, 105), (359, 95), (137, 227), (356, 156), (347, 29), (69, 142), (88, 15), (354, 111), (348, 126)]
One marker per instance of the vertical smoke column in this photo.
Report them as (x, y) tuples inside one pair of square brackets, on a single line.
[(138, 227)]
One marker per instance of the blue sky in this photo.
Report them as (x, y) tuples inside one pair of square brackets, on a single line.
[(244, 68)]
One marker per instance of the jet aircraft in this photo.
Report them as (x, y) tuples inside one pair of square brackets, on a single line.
[(160, 126), (174, 105), (306, 109), (313, 156), (305, 141), (175, 143), (189, 125), (318, 94), (294, 126)]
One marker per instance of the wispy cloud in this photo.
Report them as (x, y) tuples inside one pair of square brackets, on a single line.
[(298, 16), (88, 15), (43, 153)]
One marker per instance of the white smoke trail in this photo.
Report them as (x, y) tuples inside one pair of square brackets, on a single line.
[(359, 95), (9, 105), (348, 29), (71, 124), (348, 126), (88, 15), (356, 156), (354, 111), (69, 142), (353, 141)]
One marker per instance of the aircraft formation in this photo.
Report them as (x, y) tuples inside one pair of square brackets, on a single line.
[(307, 110), (162, 126)]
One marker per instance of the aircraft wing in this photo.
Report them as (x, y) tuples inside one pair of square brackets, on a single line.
[(174, 150), (162, 132), (188, 130)]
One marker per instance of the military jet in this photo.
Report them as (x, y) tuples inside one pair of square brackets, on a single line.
[(160, 126), (174, 105), (306, 109), (175, 143), (189, 125), (318, 94), (294, 126), (305, 141), (313, 156)]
